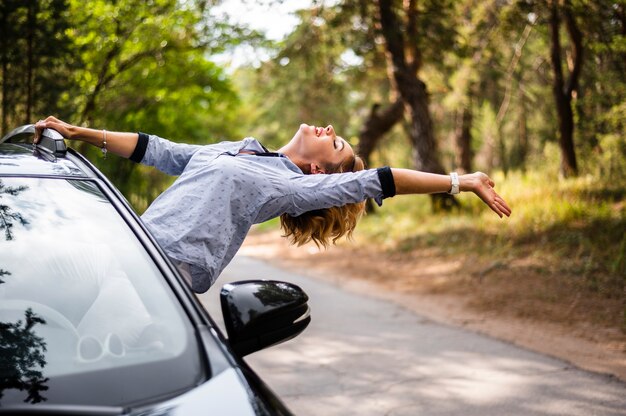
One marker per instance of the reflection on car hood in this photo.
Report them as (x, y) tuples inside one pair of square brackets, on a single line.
[(223, 394)]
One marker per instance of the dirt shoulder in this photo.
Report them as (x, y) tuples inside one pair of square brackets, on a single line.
[(460, 292)]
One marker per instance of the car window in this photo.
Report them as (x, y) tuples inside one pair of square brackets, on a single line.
[(85, 315)]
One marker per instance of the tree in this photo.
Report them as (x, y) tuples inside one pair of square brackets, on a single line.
[(599, 108), (564, 87), (114, 38), (145, 66), (33, 51), (378, 123), (407, 59), (305, 81), (477, 23), (510, 81), (412, 89)]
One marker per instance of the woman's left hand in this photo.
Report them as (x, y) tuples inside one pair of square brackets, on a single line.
[(66, 130), (482, 185)]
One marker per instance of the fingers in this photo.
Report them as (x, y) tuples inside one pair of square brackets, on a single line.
[(500, 207), (491, 198), (495, 209), (494, 201), (504, 207), (49, 122), (39, 126)]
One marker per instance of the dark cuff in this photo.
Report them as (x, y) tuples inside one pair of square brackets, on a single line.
[(386, 182), (140, 149)]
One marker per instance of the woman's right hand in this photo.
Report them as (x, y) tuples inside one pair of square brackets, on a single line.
[(482, 186), (66, 130)]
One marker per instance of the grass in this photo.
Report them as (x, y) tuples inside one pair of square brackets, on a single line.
[(560, 256)]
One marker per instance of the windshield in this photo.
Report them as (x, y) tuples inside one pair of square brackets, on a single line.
[(85, 315)]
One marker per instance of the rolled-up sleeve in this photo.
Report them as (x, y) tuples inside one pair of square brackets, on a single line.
[(167, 156), (311, 192)]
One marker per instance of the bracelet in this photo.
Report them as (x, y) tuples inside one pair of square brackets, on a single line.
[(104, 143), (454, 180)]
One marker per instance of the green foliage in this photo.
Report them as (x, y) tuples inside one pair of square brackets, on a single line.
[(329, 70), (125, 65), (143, 66), (293, 88), (146, 65)]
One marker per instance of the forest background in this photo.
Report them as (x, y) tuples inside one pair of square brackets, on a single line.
[(530, 91)]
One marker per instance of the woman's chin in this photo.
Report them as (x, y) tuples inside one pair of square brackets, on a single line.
[(304, 126), (305, 132)]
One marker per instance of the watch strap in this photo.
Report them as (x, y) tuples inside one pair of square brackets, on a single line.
[(454, 179)]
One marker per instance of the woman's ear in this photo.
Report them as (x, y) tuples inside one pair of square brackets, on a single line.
[(315, 168)]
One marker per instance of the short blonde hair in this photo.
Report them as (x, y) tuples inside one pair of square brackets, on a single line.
[(327, 225)]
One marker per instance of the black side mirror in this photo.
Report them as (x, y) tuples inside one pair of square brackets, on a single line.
[(261, 313)]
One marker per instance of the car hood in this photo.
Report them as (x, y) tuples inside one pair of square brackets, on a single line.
[(223, 394)]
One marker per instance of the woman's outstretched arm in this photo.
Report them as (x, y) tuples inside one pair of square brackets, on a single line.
[(409, 181), (121, 144), (167, 156)]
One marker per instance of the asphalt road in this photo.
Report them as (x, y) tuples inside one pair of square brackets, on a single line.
[(363, 355)]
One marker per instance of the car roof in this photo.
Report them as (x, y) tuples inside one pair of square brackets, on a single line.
[(50, 158)]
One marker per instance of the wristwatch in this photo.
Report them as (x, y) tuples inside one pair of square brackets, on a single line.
[(454, 179)]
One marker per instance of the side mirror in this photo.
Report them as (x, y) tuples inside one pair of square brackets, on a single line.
[(261, 313)]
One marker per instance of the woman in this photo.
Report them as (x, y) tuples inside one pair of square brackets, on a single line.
[(225, 188)]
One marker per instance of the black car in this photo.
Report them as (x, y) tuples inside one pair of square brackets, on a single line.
[(95, 319)]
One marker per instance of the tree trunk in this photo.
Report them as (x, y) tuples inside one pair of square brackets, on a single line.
[(378, 123), (3, 75), (413, 93), (463, 139), (522, 143), (415, 96), (562, 90), (30, 59)]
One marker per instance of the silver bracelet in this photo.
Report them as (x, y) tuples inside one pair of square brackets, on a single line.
[(104, 143)]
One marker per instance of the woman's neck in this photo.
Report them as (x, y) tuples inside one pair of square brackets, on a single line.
[(289, 151)]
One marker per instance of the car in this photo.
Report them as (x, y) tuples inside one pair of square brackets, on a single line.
[(96, 319)]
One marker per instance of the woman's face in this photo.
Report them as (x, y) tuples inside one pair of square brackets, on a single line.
[(321, 146)]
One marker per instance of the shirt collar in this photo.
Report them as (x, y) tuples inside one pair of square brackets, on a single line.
[(252, 144)]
